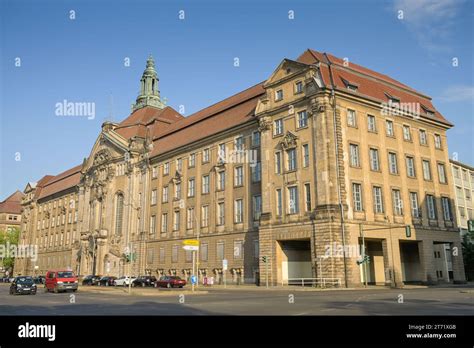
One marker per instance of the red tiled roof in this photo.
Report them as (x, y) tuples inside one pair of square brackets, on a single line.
[(12, 204), (216, 118), (370, 83), (61, 182)]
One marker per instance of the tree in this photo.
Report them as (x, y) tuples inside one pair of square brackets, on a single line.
[(9, 238), (468, 254)]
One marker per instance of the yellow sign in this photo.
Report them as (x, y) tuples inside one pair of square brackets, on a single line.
[(192, 242)]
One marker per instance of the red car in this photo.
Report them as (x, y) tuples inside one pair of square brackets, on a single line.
[(61, 280), (170, 282)]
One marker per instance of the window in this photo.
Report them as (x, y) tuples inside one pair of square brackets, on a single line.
[(426, 170), (239, 143), (221, 180), (278, 162), (299, 87), (205, 155), (220, 251), (430, 203), (389, 128), (464, 175), (392, 163), (456, 173), (220, 213), (191, 186), (357, 196), (118, 214), (222, 153), (374, 160), (165, 194), (278, 127), (256, 138), (279, 203), (293, 202), (378, 201), (302, 119), (153, 225), (176, 220), (238, 176), (205, 216), (291, 155), (190, 219), (179, 165), (205, 184), (442, 173), (164, 223), (462, 212), (354, 153), (153, 197), (177, 190), (238, 211), (446, 209), (371, 123), (410, 166), (188, 256), (423, 139), (174, 253), (257, 207), (203, 252), (166, 168), (257, 172), (459, 193), (351, 118), (279, 95), (415, 210), (467, 194), (406, 133), (437, 139), (305, 155), (307, 194), (238, 249), (397, 202), (192, 160), (154, 172)]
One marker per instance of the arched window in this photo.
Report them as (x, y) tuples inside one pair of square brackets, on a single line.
[(118, 214)]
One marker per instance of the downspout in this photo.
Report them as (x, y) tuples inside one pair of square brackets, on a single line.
[(336, 147)]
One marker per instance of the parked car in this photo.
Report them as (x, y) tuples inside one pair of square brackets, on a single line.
[(60, 280), (91, 280), (171, 282), (23, 285), (124, 280), (106, 281), (144, 281)]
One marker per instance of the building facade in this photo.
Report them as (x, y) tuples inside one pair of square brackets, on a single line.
[(10, 212), (463, 182), (299, 176)]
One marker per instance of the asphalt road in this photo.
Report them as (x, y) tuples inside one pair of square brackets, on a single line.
[(422, 301)]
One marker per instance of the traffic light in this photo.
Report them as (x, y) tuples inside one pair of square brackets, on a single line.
[(264, 259)]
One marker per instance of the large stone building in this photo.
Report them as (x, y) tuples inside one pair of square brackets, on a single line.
[(10, 212), (320, 158)]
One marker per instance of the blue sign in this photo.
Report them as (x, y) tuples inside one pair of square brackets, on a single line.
[(193, 279)]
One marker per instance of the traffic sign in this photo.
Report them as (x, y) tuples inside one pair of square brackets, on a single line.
[(191, 242), (224, 265), (191, 247), (193, 279)]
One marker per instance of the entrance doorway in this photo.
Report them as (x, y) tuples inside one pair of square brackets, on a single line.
[(294, 260), (410, 262), (375, 268)]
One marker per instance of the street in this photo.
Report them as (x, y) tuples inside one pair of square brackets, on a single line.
[(245, 301)]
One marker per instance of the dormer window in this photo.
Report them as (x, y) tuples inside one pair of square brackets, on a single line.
[(429, 112), (351, 85), (352, 88), (279, 95), (392, 99)]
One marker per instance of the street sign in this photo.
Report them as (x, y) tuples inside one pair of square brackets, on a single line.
[(408, 231), (224, 265), (191, 247), (470, 225), (191, 242), (193, 279)]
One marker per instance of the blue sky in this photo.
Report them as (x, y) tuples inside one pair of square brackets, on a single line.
[(82, 60)]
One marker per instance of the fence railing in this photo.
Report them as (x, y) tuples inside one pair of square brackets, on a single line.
[(321, 282)]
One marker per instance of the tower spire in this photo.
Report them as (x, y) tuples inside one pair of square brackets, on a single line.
[(149, 93)]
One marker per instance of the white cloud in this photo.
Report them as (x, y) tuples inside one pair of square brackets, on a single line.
[(458, 94), (430, 21)]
